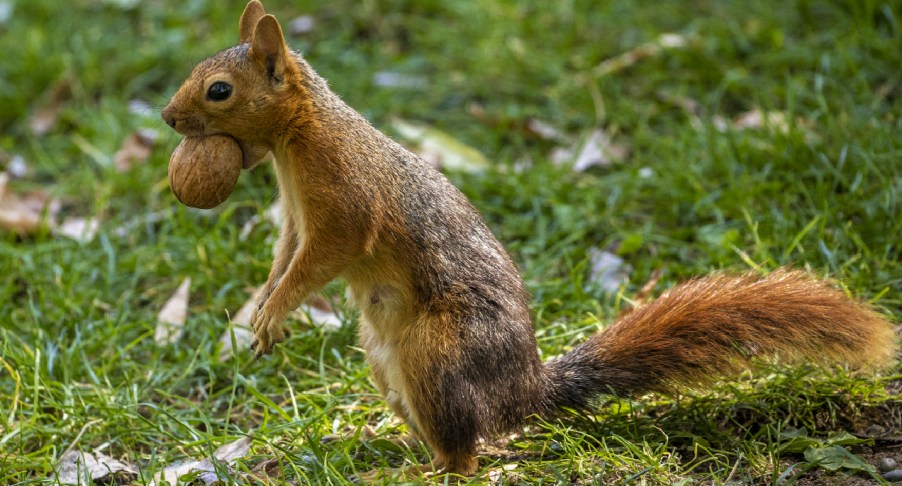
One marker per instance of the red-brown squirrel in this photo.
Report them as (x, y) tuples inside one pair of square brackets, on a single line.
[(444, 315)]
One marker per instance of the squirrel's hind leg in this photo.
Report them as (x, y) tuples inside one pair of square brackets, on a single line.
[(444, 408)]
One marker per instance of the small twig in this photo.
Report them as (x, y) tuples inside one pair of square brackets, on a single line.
[(80, 433)]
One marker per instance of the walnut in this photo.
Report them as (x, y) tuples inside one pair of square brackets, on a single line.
[(203, 171)]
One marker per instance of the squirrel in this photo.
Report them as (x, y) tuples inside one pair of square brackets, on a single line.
[(445, 322)]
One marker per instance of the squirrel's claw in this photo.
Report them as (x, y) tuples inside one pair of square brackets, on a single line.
[(257, 353), (268, 332)]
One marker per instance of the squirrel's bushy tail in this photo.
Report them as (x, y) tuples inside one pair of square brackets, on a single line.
[(712, 327)]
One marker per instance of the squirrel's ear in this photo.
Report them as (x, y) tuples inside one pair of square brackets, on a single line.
[(252, 13), (268, 46)]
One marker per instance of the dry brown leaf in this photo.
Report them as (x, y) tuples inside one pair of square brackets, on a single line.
[(171, 319), (45, 116), (76, 467), (136, 148), (25, 214), (227, 453)]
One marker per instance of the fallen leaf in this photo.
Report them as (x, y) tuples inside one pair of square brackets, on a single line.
[(136, 148), (318, 312), (544, 130), (79, 229), (495, 474), (25, 214), (76, 467), (45, 116), (593, 152), (607, 270), (834, 458), (206, 469), (649, 49), (171, 319), (440, 149), (596, 151), (272, 469)]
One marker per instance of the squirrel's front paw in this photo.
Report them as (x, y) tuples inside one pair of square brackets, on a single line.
[(268, 331)]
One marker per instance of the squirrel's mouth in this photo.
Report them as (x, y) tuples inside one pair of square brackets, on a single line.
[(246, 162), (251, 155)]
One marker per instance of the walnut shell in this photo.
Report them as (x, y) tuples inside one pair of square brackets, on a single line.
[(203, 171)]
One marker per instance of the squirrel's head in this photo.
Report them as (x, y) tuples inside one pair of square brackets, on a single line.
[(243, 91)]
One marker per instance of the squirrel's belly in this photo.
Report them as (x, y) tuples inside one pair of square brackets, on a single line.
[(384, 317), (382, 307), (383, 358)]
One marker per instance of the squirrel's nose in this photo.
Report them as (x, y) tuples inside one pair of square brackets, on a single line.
[(168, 117)]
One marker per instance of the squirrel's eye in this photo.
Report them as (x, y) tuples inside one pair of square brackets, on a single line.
[(219, 91)]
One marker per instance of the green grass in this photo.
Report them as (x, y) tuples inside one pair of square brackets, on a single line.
[(80, 368)]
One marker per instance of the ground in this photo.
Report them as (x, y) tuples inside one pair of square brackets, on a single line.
[(614, 148)]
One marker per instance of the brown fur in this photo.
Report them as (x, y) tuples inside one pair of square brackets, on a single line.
[(444, 315)]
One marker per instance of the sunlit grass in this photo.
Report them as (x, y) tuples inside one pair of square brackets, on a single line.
[(80, 368)]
